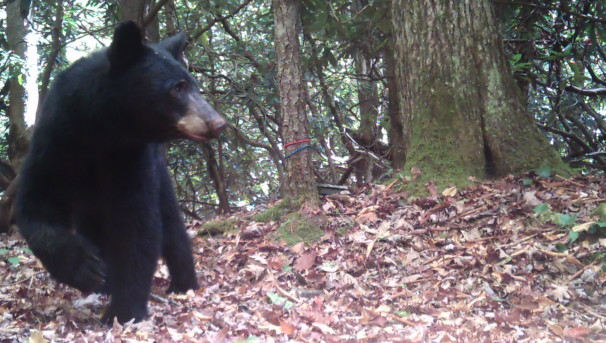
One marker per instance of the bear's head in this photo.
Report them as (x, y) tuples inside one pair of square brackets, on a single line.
[(157, 98)]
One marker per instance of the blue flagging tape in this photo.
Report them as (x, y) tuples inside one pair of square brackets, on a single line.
[(296, 151)]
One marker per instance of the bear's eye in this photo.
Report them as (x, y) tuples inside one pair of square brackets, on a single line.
[(180, 86)]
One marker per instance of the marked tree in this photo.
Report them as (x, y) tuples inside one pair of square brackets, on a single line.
[(300, 183)]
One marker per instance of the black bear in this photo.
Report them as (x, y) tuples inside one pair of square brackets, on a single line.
[(95, 201)]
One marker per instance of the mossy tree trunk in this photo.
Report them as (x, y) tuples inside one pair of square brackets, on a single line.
[(459, 101), (300, 182)]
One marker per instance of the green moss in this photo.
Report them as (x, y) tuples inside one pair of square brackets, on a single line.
[(278, 211), (345, 225), (301, 227), (218, 227), (296, 224), (600, 212), (519, 146), (444, 145)]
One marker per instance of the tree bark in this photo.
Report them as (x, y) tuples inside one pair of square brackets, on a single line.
[(133, 10), (215, 174), (18, 140), (395, 133), (367, 99), (458, 96), (16, 13), (57, 35), (300, 183), (214, 168), (145, 14)]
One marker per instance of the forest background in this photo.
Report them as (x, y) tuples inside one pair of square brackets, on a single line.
[(365, 82), (465, 141)]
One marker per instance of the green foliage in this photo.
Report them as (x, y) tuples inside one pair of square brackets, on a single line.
[(541, 208), (234, 62), (564, 220), (280, 301), (14, 257), (14, 261), (544, 172), (576, 233), (517, 65), (403, 313), (545, 214), (249, 339), (550, 51), (600, 212)]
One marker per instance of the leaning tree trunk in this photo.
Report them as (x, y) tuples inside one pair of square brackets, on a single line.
[(300, 182), (458, 97)]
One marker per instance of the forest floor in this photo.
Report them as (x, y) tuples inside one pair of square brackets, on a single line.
[(512, 260)]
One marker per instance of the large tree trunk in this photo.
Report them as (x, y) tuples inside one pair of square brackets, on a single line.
[(300, 183), (458, 97)]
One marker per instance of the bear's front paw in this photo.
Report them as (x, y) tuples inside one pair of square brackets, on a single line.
[(89, 274), (182, 284), (74, 262), (124, 313)]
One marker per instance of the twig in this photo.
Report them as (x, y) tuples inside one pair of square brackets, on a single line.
[(163, 299), (580, 271), (586, 91), (281, 290), (200, 32), (518, 241), (590, 311), (22, 280)]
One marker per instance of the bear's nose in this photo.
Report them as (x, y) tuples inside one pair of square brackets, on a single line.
[(218, 125)]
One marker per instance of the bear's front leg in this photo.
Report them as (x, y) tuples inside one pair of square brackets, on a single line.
[(132, 257), (176, 245)]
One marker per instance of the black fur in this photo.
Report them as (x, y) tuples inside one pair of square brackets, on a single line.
[(96, 203)]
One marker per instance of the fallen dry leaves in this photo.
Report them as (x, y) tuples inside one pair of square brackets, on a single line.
[(466, 265)]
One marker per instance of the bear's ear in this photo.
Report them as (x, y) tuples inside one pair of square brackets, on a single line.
[(127, 46), (175, 45)]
